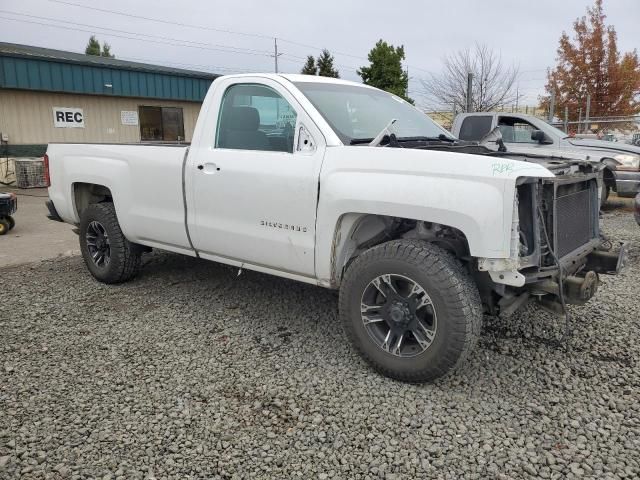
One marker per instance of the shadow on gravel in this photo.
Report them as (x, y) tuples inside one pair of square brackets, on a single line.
[(249, 295), (209, 281), (534, 329), (615, 203), (246, 295)]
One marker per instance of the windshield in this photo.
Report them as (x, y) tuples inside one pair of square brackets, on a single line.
[(359, 113)]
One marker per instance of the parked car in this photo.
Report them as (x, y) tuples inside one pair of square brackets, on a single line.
[(360, 192), (526, 133)]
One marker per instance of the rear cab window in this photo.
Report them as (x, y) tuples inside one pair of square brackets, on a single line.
[(475, 127)]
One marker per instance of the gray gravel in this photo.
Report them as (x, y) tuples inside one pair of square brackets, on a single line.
[(178, 375)]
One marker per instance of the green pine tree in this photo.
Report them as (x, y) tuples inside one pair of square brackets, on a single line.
[(385, 70), (93, 47), (310, 67), (325, 65), (106, 51)]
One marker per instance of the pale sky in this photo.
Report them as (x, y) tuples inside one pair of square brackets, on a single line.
[(237, 36)]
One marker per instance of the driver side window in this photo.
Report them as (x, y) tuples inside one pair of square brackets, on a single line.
[(515, 130), (255, 117)]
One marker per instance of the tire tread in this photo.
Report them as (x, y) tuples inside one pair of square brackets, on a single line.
[(461, 297), (128, 257)]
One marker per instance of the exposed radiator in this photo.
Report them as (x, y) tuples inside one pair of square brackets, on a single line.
[(575, 214)]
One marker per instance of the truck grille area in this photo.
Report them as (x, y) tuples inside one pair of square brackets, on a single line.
[(557, 219), (574, 219)]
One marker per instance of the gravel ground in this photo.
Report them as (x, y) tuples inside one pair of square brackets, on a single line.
[(177, 375)]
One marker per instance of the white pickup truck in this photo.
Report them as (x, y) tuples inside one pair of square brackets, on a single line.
[(347, 187)]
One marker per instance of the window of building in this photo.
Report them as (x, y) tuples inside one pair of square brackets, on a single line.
[(255, 117), (161, 124)]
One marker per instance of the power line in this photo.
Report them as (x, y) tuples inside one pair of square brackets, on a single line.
[(159, 20), (229, 48), (172, 43), (208, 46), (233, 32)]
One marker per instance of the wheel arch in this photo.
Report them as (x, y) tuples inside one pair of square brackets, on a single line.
[(355, 233), (85, 194)]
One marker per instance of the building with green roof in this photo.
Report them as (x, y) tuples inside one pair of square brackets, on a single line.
[(58, 96)]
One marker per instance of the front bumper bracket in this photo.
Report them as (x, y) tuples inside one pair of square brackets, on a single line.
[(607, 262)]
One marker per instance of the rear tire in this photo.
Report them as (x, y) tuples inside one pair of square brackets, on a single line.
[(12, 222), (445, 312), (4, 226), (109, 256)]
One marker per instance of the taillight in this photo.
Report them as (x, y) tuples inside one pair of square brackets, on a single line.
[(47, 178)]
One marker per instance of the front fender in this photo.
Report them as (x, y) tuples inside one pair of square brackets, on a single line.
[(471, 193)]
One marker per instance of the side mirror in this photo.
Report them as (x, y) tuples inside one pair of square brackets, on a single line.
[(494, 136), (540, 137)]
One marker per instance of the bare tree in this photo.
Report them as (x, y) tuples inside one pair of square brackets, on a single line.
[(494, 84)]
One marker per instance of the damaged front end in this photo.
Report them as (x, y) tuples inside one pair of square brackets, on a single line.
[(557, 249)]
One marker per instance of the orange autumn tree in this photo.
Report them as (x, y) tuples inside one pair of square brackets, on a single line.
[(590, 63)]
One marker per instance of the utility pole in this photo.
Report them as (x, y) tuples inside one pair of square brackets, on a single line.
[(566, 119), (406, 69), (586, 115), (580, 120), (552, 105), (469, 92), (275, 53)]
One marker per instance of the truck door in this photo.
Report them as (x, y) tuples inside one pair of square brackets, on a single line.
[(254, 181)]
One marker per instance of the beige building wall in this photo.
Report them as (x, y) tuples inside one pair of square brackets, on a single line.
[(27, 117)]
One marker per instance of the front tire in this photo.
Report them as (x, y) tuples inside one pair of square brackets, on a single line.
[(410, 310), (109, 256), (604, 194)]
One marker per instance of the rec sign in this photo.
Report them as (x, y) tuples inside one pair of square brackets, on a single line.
[(68, 117)]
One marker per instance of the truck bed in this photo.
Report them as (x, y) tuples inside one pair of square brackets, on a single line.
[(145, 182)]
